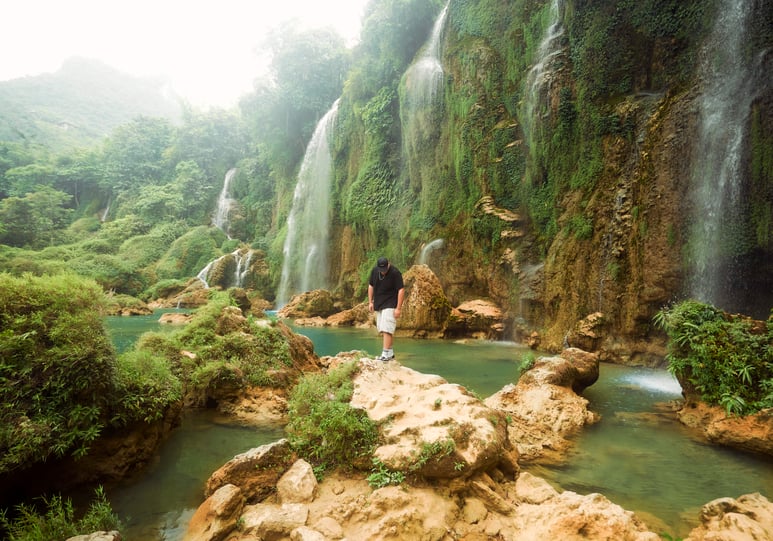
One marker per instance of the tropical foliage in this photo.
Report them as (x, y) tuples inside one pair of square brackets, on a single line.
[(727, 359)]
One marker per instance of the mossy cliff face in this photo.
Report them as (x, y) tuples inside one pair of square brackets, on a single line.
[(556, 171)]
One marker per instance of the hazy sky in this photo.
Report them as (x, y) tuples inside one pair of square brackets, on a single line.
[(207, 48)]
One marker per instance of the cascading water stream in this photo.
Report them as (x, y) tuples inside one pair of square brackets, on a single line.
[(724, 106), (419, 109), (224, 204), (305, 264), (539, 74), (427, 250)]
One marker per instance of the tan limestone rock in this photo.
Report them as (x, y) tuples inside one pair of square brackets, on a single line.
[(298, 484), (435, 429), (217, 516), (749, 518), (255, 472)]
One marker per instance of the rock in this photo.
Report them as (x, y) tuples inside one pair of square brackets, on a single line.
[(271, 522), (306, 534), (435, 429), (217, 516), (317, 303), (588, 333), (231, 320), (749, 518), (426, 307), (298, 484), (478, 319), (255, 472), (358, 316), (751, 433), (532, 489), (543, 409), (97, 536), (174, 318)]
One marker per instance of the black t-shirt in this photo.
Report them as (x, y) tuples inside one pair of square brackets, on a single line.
[(385, 287)]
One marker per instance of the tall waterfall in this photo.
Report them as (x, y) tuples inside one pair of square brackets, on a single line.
[(224, 204), (539, 74), (424, 76), (422, 83), (723, 111), (305, 264)]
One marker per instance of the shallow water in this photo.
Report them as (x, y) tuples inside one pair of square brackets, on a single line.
[(637, 456)]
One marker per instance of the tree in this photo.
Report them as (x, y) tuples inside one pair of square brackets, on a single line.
[(35, 219), (135, 153)]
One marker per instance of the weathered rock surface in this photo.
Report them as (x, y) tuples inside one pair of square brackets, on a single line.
[(749, 518), (426, 308), (477, 318), (217, 516), (97, 536), (436, 429), (752, 433), (543, 409), (317, 303)]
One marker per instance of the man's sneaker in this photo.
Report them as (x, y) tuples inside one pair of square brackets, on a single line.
[(385, 358)]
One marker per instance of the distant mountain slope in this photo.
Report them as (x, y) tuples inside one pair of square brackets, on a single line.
[(78, 105)]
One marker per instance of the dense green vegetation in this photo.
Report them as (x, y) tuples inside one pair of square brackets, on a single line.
[(726, 359), (323, 427), (61, 382), (59, 520)]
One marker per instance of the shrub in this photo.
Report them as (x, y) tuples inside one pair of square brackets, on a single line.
[(58, 521), (727, 359), (322, 426)]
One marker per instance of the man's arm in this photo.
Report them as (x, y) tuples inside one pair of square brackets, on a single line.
[(370, 298), (400, 297)]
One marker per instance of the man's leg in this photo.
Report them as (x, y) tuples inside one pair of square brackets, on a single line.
[(387, 340)]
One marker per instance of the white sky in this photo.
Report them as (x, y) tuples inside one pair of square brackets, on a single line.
[(206, 48)]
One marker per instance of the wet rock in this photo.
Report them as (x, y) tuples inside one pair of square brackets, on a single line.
[(217, 516)]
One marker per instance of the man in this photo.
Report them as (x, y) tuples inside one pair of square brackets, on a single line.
[(385, 296)]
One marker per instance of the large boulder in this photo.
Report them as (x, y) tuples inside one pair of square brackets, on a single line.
[(255, 472), (544, 408), (751, 433), (749, 518), (217, 516), (477, 318), (430, 427), (317, 303), (426, 307)]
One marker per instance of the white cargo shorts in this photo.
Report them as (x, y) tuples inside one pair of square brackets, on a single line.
[(386, 321)]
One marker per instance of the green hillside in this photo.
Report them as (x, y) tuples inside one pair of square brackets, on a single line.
[(78, 105)]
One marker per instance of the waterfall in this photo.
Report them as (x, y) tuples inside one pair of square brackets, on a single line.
[(539, 74), (419, 111), (105, 212), (723, 110), (423, 78), (241, 261), (305, 263), (428, 249), (224, 204)]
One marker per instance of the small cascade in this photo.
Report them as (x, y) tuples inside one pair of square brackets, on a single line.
[(419, 108), (224, 204), (305, 263), (105, 213), (724, 107), (241, 260), (427, 250), (424, 77), (539, 75)]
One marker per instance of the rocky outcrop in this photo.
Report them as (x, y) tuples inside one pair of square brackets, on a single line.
[(476, 318), (97, 536), (430, 427), (749, 518), (217, 516), (426, 307), (751, 433), (544, 409), (317, 303)]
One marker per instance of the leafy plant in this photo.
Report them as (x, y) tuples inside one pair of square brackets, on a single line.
[(322, 426), (727, 359), (59, 520), (382, 476)]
